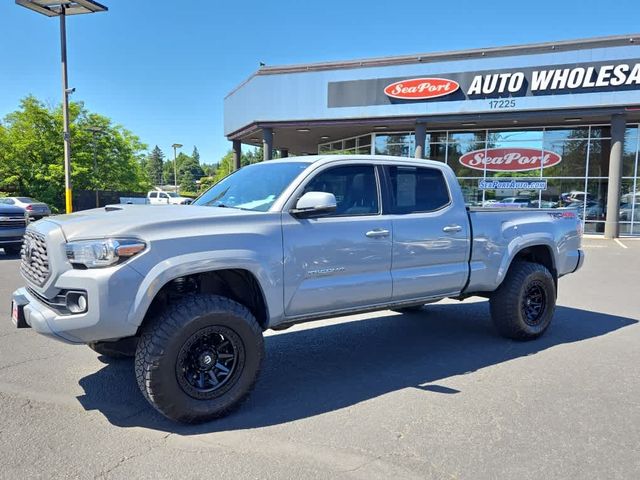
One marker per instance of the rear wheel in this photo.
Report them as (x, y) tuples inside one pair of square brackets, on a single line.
[(523, 306), (200, 358)]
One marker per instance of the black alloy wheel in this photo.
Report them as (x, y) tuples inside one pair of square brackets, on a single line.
[(209, 361), (534, 303)]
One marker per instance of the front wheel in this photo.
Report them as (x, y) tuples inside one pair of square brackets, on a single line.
[(200, 358), (523, 306)]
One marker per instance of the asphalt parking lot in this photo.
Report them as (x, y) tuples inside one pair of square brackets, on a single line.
[(435, 394)]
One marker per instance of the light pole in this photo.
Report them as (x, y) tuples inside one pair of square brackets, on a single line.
[(95, 131), (62, 9), (175, 168)]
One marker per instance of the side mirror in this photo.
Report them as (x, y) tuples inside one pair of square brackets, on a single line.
[(313, 204)]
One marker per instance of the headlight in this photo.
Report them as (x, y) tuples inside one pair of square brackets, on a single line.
[(103, 253)]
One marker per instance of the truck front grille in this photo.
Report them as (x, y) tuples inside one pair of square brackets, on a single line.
[(35, 263), (13, 221)]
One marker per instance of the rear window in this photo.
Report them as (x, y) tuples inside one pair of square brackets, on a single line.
[(26, 200), (417, 189)]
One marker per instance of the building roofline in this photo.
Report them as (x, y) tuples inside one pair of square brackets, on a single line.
[(521, 49)]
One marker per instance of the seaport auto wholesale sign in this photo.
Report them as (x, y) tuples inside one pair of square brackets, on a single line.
[(532, 81), (511, 159)]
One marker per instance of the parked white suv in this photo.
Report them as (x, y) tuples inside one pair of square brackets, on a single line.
[(156, 197)]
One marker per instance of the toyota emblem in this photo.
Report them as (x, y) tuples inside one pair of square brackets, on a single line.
[(28, 250)]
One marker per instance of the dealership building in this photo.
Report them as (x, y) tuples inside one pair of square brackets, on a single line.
[(554, 123)]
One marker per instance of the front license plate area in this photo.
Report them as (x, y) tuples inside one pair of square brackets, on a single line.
[(17, 315)]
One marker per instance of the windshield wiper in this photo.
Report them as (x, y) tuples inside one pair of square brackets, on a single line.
[(222, 205)]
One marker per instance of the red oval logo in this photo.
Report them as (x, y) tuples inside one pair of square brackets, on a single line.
[(421, 88), (510, 159)]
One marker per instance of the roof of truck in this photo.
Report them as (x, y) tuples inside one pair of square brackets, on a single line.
[(310, 159)]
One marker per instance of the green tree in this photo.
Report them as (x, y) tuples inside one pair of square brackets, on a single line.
[(196, 155), (32, 157), (154, 164), (225, 166)]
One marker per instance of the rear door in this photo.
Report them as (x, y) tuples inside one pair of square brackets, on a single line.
[(341, 260), (430, 233)]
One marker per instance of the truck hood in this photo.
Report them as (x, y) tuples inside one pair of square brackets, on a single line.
[(136, 220), (10, 210)]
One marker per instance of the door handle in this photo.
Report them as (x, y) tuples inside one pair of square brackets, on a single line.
[(378, 232), (452, 228)]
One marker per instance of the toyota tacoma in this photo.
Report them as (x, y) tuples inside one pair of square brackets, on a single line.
[(189, 291)]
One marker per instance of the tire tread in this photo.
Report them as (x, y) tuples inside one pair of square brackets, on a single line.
[(160, 330)]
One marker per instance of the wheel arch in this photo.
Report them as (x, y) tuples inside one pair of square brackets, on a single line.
[(244, 281), (541, 252)]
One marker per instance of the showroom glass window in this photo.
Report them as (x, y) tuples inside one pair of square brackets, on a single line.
[(579, 180)]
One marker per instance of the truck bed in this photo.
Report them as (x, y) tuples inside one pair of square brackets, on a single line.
[(499, 233)]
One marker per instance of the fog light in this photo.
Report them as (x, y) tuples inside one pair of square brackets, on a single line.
[(76, 302)]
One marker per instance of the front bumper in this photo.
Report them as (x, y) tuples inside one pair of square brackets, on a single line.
[(110, 294), (580, 261), (11, 236)]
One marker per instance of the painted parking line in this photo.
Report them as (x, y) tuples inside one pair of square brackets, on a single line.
[(620, 243)]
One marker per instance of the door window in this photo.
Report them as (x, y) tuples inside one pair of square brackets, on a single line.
[(417, 189), (153, 195), (354, 186)]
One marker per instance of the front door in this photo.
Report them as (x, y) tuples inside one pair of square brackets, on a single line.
[(341, 260)]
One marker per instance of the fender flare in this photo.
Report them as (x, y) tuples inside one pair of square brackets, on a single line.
[(517, 244), (200, 262)]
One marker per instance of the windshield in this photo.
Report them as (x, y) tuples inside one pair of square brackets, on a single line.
[(172, 194), (255, 187)]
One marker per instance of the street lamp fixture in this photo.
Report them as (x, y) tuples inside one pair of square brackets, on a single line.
[(61, 9), (175, 163)]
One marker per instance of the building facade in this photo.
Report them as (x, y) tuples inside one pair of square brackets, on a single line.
[(545, 125)]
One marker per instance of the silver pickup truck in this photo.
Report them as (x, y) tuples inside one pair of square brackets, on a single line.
[(190, 290)]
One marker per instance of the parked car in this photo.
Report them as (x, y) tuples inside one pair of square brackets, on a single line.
[(593, 210), (627, 213), (13, 221), (190, 290), (575, 196), (156, 197), (512, 202), (34, 208), (628, 198), (543, 204)]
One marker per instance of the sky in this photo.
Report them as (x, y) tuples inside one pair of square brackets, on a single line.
[(162, 68)]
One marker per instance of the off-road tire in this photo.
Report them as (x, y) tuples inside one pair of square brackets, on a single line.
[(12, 249), (508, 303), (164, 340), (125, 348)]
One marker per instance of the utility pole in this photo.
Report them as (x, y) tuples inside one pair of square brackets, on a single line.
[(62, 8), (175, 165)]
